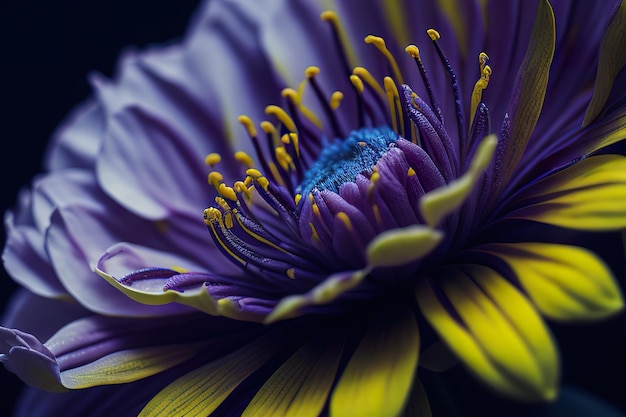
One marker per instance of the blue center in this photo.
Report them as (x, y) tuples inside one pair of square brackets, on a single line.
[(342, 160)]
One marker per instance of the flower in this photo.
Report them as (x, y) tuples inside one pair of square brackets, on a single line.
[(388, 191)]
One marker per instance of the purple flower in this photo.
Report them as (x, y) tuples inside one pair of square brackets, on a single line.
[(356, 191)]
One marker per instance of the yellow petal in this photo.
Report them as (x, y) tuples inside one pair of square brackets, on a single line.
[(200, 392), (612, 59), (127, 366), (589, 195), (494, 330), (565, 282), (378, 378), (400, 246), (300, 387)]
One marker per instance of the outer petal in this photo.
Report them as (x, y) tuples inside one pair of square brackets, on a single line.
[(493, 329), (378, 379), (589, 195), (565, 282)]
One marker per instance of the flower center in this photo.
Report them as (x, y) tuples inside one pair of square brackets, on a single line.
[(341, 161), (312, 207)]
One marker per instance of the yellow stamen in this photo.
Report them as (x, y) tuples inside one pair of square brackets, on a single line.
[(297, 198), (296, 143), (395, 108), (291, 273), (248, 124), (212, 159), (241, 188), (379, 43), (283, 158), (357, 83), (227, 192), (481, 84), (282, 116), (335, 99), (333, 19), (314, 237), (215, 178), (365, 75), (270, 129), (413, 51), (296, 98), (410, 172), (244, 159), (228, 216), (211, 217), (434, 35), (311, 71)]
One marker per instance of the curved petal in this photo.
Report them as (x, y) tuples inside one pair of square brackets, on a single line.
[(300, 387), (378, 378), (589, 195), (564, 282), (493, 329)]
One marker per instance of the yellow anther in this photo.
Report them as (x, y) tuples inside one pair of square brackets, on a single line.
[(291, 94), (315, 208), (282, 116), (242, 188), (284, 159), (434, 35), (212, 159), (291, 273), (275, 174), (270, 129), (211, 215), (335, 99), (365, 75), (413, 51), (395, 107), (481, 84), (311, 71), (357, 83), (248, 124), (332, 18), (343, 217), (293, 137), (227, 192), (247, 181), (215, 178), (375, 209), (410, 172), (297, 198), (244, 158), (254, 173), (263, 182), (379, 43), (375, 177)]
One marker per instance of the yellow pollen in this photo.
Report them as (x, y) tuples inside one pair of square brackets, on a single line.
[(379, 43), (481, 84), (335, 99), (297, 198), (413, 51), (365, 75), (291, 273), (282, 116), (227, 192), (270, 129), (244, 158), (343, 218), (211, 215), (434, 35), (284, 159), (357, 83), (291, 94), (248, 124), (215, 178), (395, 107), (212, 159), (311, 71), (410, 172), (241, 188)]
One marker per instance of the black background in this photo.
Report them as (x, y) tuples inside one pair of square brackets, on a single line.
[(48, 48)]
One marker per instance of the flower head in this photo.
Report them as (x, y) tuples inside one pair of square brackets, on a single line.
[(390, 186)]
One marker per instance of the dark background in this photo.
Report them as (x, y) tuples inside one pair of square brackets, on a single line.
[(49, 47)]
